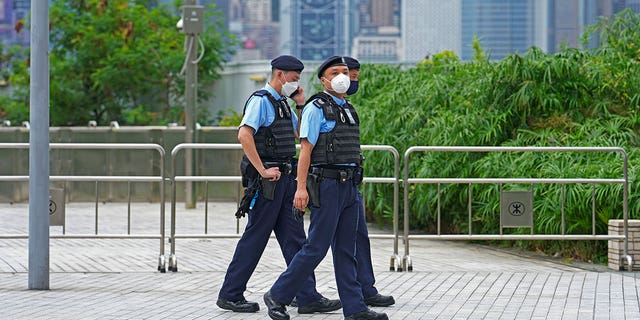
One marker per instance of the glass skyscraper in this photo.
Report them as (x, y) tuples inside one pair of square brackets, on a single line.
[(503, 27), (318, 28)]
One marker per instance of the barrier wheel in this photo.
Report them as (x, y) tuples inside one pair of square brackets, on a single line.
[(173, 263), (398, 264), (408, 264), (162, 264)]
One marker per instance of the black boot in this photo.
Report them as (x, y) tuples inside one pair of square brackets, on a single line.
[(275, 309), (367, 315), (379, 301), (238, 306), (322, 305)]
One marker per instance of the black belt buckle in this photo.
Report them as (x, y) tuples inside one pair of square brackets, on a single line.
[(344, 176)]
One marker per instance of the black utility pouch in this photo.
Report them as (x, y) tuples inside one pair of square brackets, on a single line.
[(358, 175), (313, 188), (248, 171), (268, 189)]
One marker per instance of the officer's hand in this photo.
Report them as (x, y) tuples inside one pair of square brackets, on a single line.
[(299, 98), (301, 199), (273, 174)]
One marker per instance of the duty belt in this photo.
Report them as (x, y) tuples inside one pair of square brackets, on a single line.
[(286, 167), (341, 174)]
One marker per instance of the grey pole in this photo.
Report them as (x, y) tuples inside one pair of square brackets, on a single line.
[(191, 92), (39, 148)]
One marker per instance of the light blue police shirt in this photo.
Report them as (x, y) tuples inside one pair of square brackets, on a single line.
[(261, 113)]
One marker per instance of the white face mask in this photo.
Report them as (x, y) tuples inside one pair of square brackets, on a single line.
[(340, 83), (289, 87)]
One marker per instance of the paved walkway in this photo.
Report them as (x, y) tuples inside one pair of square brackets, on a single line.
[(117, 278)]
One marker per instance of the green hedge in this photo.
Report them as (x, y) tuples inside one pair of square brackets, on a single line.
[(569, 98)]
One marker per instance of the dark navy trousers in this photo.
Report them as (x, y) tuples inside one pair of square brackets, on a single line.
[(333, 225), (363, 254), (266, 216)]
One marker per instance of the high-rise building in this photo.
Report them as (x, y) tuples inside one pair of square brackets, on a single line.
[(619, 5), (569, 18), (255, 25), (503, 27), (257, 11), (316, 29), (13, 27), (375, 30), (382, 12), (6, 21), (429, 27)]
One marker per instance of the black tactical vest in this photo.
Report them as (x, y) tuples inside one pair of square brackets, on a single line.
[(277, 141), (342, 144)]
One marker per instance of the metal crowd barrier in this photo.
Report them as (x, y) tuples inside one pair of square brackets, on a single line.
[(407, 264), (97, 179), (395, 263), (173, 260)]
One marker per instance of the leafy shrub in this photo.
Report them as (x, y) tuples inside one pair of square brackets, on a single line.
[(569, 98)]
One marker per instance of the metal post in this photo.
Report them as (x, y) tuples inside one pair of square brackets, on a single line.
[(405, 187), (39, 148), (470, 202), (206, 207), (191, 92)]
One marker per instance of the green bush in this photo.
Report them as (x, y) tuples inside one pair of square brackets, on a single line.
[(569, 98)]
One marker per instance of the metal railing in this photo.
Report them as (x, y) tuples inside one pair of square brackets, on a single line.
[(173, 260), (395, 263), (97, 179), (407, 264)]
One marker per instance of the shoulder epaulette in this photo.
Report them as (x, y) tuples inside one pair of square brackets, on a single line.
[(325, 102), (320, 103), (261, 93)]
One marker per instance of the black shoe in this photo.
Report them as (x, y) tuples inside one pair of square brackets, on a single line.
[(276, 310), (238, 306), (366, 315), (294, 302), (322, 305), (379, 301)]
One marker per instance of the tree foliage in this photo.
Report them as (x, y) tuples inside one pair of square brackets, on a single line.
[(121, 60), (13, 67)]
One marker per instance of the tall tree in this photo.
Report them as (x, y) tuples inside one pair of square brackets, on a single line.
[(113, 59)]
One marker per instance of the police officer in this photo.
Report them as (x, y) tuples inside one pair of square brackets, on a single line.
[(363, 246), (267, 134), (328, 173)]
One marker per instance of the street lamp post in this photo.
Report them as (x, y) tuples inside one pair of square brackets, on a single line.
[(192, 26), (39, 148)]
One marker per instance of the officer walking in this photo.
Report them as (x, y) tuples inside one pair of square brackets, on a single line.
[(267, 134), (363, 246), (329, 168)]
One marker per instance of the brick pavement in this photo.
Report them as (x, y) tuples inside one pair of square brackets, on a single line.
[(116, 279)]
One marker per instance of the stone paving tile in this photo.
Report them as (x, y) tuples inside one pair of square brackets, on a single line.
[(116, 279)]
